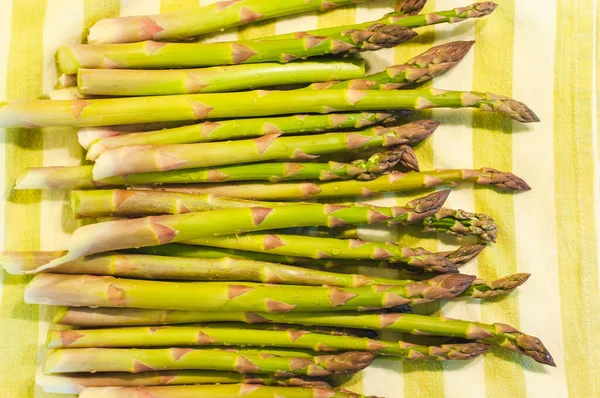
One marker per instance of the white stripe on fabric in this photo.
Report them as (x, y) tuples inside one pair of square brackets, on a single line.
[(139, 7)]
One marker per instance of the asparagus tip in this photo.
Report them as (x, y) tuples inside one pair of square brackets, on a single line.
[(448, 53), (484, 8), (464, 254), (409, 160), (466, 351), (503, 180), (388, 36), (449, 285), (516, 110), (383, 162), (410, 7), (430, 204), (511, 282)]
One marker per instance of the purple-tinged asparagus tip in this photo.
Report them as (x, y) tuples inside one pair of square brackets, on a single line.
[(503, 180), (466, 351), (430, 204), (410, 7), (450, 53), (464, 254)]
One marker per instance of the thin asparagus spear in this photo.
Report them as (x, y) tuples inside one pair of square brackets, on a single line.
[(142, 159), (160, 55), (106, 291), (476, 10), (351, 249), (192, 22), (499, 334), (234, 129), (393, 182), (75, 383), (80, 177), (86, 136), (144, 360), (409, 7), (424, 67), (215, 335), (220, 391), (484, 290), (220, 79), (106, 112)]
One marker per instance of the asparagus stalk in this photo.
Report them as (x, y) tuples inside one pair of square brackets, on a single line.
[(80, 177), (142, 159), (224, 130), (86, 136), (424, 67), (462, 223), (476, 10), (115, 82), (75, 383), (409, 7), (160, 55), (65, 80), (352, 249), (106, 291), (393, 182), (220, 391), (215, 335), (499, 334), (193, 22), (68, 93), (106, 112), (144, 360)]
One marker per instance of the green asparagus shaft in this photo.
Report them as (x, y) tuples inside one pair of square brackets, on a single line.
[(106, 291), (192, 22), (80, 177), (393, 182), (476, 10), (106, 112), (315, 247), (116, 82), (235, 129), (215, 335), (160, 55), (424, 67), (409, 7), (503, 335), (217, 391), (142, 159), (86, 136), (75, 383), (145, 360)]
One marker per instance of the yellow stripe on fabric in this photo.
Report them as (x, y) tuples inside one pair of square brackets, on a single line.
[(95, 10), (176, 5), (492, 146), (574, 196), (18, 334)]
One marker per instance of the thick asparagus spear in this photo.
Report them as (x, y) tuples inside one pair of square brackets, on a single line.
[(393, 182), (500, 334), (352, 249), (106, 291), (80, 177), (106, 112), (234, 129), (192, 22), (220, 79), (215, 335), (142, 159), (76, 382), (160, 55), (424, 67), (144, 360), (220, 391), (476, 10)]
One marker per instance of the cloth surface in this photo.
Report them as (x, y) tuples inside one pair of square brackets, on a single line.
[(542, 52)]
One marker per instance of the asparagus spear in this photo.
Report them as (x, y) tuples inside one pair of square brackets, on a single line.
[(499, 334), (215, 335), (476, 10), (106, 112), (144, 360), (160, 55), (76, 382), (424, 67), (80, 177), (106, 291), (409, 7), (141, 159), (192, 22), (393, 182), (65, 80), (353, 249), (86, 136), (224, 130), (115, 82), (220, 391)]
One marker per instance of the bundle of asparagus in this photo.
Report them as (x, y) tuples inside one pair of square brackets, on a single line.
[(177, 241)]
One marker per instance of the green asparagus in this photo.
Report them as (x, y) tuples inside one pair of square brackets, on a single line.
[(132, 110), (116, 82), (409, 7), (107, 291), (500, 334), (393, 182), (161, 55), (192, 22)]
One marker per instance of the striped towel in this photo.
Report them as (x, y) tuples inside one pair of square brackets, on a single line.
[(542, 52)]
